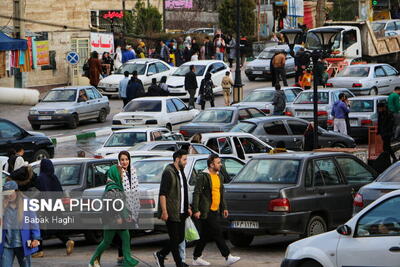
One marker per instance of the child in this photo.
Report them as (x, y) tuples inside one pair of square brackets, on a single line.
[(306, 80)]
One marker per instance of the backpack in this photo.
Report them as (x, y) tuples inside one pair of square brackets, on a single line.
[(208, 91), (86, 68)]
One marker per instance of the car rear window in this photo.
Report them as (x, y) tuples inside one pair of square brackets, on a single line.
[(143, 106), (354, 72), (259, 96), (150, 171), (244, 127), (307, 98), (269, 171), (125, 139), (214, 116), (361, 105)]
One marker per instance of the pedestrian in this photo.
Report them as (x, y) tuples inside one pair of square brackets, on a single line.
[(118, 58), (319, 71), (385, 128), (208, 206), (209, 48), (154, 88), (325, 77), (174, 207), (95, 69), (195, 48), (301, 61), (279, 100), (280, 148), (123, 84), (164, 53), (306, 80), (191, 85), (339, 111), (394, 107), (179, 52), (232, 51), (227, 84), (122, 183), (164, 86), (134, 88), (15, 158), (219, 44), (244, 50), (206, 92), (308, 144), (202, 55), (141, 50), (195, 57), (25, 178), (272, 70), (279, 63), (21, 234), (128, 54), (106, 63)]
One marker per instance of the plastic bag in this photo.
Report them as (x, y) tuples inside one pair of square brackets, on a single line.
[(191, 233)]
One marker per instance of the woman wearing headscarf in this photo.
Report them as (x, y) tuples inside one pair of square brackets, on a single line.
[(95, 69), (206, 92), (122, 183)]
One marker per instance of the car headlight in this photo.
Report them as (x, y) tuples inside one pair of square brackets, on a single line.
[(250, 67), (62, 111), (33, 112), (101, 84)]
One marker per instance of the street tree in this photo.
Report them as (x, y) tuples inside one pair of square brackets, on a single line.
[(227, 16), (344, 10), (143, 20)]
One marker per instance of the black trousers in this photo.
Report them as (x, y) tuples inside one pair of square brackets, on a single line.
[(210, 230), (203, 104), (387, 146), (299, 73), (176, 233), (191, 97), (280, 73)]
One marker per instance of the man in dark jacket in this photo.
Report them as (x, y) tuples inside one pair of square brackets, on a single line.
[(174, 207), (385, 128), (279, 100), (154, 89), (209, 48), (208, 205), (135, 88), (301, 61), (191, 85)]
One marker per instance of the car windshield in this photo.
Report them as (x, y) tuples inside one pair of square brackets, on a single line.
[(244, 127), (266, 54), (307, 98), (259, 96), (182, 70), (390, 175), (354, 72), (60, 96), (378, 26), (269, 171), (361, 105), (150, 171), (214, 116), (313, 42), (129, 67), (143, 106), (125, 139)]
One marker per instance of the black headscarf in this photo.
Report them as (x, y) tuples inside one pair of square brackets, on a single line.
[(47, 180)]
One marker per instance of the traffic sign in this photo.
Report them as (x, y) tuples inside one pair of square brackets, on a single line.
[(73, 58)]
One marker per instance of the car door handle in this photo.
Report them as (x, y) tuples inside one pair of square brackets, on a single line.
[(394, 249)]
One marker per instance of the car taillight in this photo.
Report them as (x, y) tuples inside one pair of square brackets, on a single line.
[(329, 122), (279, 204), (98, 156), (147, 203), (366, 122), (266, 111), (357, 85), (358, 200), (322, 113), (288, 113), (329, 85), (184, 133)]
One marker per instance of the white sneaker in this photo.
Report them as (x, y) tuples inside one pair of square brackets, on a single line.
[(232, 259), (200, 262), (95, 264)]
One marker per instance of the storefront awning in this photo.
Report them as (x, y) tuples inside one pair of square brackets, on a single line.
[(8, 43)]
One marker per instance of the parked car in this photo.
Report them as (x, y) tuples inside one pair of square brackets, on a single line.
[(370, 238), (241, 145), (176, 82), (36, 145), (386, 27), (170, 146), (208, 31), (153, 111), (147, 68), (262, 98), (291, 130), (367, 79), (125, 139), (260, 67), (63, 106), (303, 106), (293, 193), (220, 119)]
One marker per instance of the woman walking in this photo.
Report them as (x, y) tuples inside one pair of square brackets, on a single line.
[(206, 91), (95, 69), (122, 183)]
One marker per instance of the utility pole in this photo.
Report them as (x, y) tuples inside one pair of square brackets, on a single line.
[(238, 86), (19, 31), (164, 15), (123, 19)]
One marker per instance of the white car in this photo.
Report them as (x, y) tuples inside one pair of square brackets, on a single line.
[(153, 112), (147, 68), (370, 238), (125, 139), (176, 82)]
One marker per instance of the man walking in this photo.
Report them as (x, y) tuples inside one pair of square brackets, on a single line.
[(208, 205), (164, 53), (208, 48), (301, 61), (123, 84), (279, 100), (385, 129), (173, 207), (339, 112), (279, 62), (134, 88), (394, 107), (191, 85)]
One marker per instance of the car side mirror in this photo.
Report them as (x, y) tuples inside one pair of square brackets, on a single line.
[(344, 230)]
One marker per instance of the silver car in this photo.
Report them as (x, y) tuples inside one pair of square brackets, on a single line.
[(303, 105), (69, 105), (262, 98)]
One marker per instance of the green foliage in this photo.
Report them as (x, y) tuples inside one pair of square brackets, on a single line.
[(143, 20), (227, 16), (344, 10)]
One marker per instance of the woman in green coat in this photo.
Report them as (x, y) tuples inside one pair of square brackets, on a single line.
[(122, 183)]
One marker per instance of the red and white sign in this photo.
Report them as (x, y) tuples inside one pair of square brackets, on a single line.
[(101, 42)]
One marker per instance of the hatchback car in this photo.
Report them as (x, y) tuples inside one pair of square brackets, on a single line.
[(262, 98), (147, 69), (65, 106), (290, 130), (287, 193), (303, 105), (153, 111), (220, 119), (176, 82), (367, 79)]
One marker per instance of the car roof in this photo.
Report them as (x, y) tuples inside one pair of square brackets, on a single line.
[(273, 88), (203, 62), (142, 130), (225, 134), (167, 142), (368, 97), (154, 98), (299, 155), (142, 60), (73, 87), (225, 108), (368, 65), (326, 90), (271, 118)]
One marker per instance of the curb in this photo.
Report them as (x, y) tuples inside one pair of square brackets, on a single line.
[(82, 136)]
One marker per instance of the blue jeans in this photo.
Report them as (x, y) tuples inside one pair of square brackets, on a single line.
[(219, 56), (182, 250), (10, 253)]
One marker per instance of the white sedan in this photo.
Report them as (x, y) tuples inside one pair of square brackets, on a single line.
[(176, 82), (147, 68), (153, 112), (370, 238)]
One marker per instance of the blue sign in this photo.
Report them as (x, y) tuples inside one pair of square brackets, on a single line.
[(72, 58)]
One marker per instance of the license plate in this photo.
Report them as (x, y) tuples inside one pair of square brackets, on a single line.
[(257, 72), (353, 122), (132, 120), (43, 118), (110, 89), (245, 224), (304, 114)]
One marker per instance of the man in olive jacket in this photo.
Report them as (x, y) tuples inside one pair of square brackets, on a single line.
[(208, 205)]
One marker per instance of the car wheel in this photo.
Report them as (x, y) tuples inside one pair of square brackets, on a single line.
[(316, 225), (373, 91), (339, 145), (73, 122), (41, 154), (35, 127), (240, 240), (169, 126), (310, 263), (94, 236), (102, 116), (251, 78)]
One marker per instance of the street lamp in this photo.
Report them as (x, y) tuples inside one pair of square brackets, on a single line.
[(238, 86), (290, 37)]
